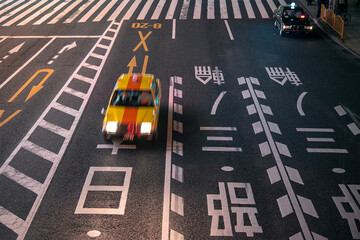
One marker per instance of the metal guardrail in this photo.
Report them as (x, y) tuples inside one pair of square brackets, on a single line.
[(333, 20)]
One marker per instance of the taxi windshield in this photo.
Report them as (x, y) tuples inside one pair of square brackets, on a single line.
[(132, 98), (293, 13)]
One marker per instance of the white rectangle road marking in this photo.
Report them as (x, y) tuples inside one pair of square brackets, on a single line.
[(5, 3), (178, 126), (64, 12), (102, 14), (197, 9), (132, 9), (65, 109), (145, 10), (271, 5), (121, 7), (285, 206), (158, 10), (11, 221), (229, 30), (320, 139), (79, 11), (184, 9), (340, 110), (171, 10), (315, 130), (177, 173), (10, 6), (91, 11), (261, 9), (40, 151), (236, 9), (221, 149), (211, 9), (326, 150), (218, 129), (216, 138), (223, 10), (75, 92), (54, 128), (18, 9), (53, 11), (22, 179), (83, 78), (249, 10), (177, 204), (23, 14), (353, 128)]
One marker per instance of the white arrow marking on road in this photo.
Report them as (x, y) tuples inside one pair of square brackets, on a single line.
[(16, 49), (68, 47)]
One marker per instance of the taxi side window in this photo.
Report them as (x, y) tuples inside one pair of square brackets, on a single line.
[(155, 88)]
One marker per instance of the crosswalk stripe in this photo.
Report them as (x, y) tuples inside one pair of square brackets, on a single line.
[(197, 9), (282, 2), (158, 10), (132, 9), (16, 11), (63, 13), (171, 10), (37, 13), (55, 10), (5, 3), (118, 10), (145, 10), (249, 9), (236, 9), (92, 11), (10, 6), (223, 10), (211, 9), (185, 9), (262, 9), (271, 5), (20, 16), (79, 11), (105, 11)]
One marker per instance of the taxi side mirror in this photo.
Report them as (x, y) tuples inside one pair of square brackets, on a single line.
[(103, 111)]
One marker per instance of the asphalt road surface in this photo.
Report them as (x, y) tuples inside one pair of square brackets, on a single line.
[(258, 134)]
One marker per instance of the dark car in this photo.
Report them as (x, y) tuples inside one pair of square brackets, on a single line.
[(290, 19)]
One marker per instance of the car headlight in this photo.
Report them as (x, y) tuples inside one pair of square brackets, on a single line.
[(111, 127), (286, 26), (145, 128), (308, 27)]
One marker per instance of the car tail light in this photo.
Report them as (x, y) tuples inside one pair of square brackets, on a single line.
[(302, 16)]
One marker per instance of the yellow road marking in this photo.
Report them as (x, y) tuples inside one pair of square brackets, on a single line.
[(35, 89), (131, 65), (142, 42), (145, 64), (9, 118)]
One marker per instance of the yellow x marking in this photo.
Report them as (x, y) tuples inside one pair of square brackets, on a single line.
[(142, 42)]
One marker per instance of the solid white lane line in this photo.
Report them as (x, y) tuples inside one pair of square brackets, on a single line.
[(79, 11), (221, 149), (145, 10), (18, 9), (173, 29), (216, 103), (218, 129), (64, 12), (29, 61), (249, 10), (261, 9), (171, 10), (167, 177), (216, 138), (299, 104), (236, 9), (314, 129), (102, 14), (92, 11), (299, 214), (53, 11), (37, 13), (320, 139), (197, 9), (132, 9), (158, 10), (211, 9), (23, 14), (229, 30), (326, 150), (223, 10), (185, 9)]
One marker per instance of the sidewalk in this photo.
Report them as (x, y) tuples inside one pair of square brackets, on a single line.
[(351, 39)]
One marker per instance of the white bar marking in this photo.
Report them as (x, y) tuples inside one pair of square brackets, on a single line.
[(102, 14), (272, 5), (173, 29), (315, 130), (178, 148), (178, 80), (274, 128), (229, 30), (320, 139), (294, 175), (156, 15), (78, 12), (249, 10), (236, 9), (121, 7), (185, 9), (53, 11), (178, 108), (178, 126), (65, 109), (18, 17), (10, 6), (260, 94), (221, 149), (145, 10), (245, 94), (40, 151), (177, 204), (132, 9), (211, 9), (264, 149), (266, 109), (91, 12), (218, 129), (197, 9), (251, 109), (171, 11), (274, 175), (178, 93), (283, 149), (261, 9), (307, 206), (223, 10), (54, 128), (216, 138), (326, 150), (177, 173), (282, 2), (83, 78), (11, 221), (353, 128), (284, 206), (299, 104), (174, 235), (75, 92), (64, 12), (340, 110), (257, 127)]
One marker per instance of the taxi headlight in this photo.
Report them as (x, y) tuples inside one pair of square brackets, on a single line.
[(145, 128), (111, 127), (308, 27), (286, 26)]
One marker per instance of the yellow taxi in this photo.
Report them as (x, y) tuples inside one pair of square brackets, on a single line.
[(133, 109)]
